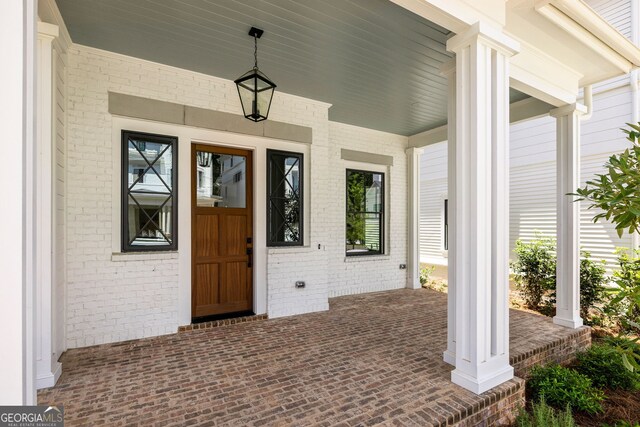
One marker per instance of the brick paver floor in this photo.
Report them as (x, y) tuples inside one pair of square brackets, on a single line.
[(371, 359)]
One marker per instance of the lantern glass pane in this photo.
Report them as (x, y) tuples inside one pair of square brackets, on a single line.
[(262, 84), (246, 97), (264, 100)]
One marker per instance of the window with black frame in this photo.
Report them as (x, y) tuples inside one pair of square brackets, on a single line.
[(365, 213), (149, 192), (284, 198)]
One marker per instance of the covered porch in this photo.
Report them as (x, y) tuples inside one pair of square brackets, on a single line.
[(362, 87), (372, 359)]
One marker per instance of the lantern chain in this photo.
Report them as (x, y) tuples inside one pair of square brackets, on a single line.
[(255, 51)]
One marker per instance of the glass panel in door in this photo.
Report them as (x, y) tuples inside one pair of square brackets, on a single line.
[(221, 180)]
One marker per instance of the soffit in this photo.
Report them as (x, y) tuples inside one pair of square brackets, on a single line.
[(375, 62)]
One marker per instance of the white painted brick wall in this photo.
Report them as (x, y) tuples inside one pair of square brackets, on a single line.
[(373, 273), (114, 297)]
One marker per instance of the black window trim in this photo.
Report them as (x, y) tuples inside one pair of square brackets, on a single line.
[(124, 211), (300, 156), (381, 251)]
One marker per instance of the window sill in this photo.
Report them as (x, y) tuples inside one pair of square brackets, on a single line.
[(143, 256), (365, 258), (289, 249)]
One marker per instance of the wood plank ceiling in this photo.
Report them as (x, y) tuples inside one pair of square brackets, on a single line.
[(377, 63)]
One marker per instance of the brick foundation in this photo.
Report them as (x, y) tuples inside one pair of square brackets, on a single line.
[(562, 350), (499, 408)]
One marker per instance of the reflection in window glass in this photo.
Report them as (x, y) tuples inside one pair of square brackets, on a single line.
[(149, 192), (221, 180), (365, 209), (284, 213)]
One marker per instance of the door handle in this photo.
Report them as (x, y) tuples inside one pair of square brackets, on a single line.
[(250, 257)]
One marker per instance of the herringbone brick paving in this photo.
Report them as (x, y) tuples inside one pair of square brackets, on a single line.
[(371, 359)]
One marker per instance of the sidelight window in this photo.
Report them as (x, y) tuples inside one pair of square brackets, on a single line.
[(284, 204), (149, 192)]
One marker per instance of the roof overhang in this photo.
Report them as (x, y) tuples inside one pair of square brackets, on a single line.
[(583, 23), (566, 45)]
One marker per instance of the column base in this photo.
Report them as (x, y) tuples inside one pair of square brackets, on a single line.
[(49, 379), (449, 357), (568, 323), (413, 283), (479, 386)]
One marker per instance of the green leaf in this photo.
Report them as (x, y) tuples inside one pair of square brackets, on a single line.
[(625, 362)]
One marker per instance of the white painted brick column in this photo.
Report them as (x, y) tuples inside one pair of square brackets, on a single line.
[(48, 370), (17, 112), (413, 217), (568, 215), (482, 207), (449, 70)]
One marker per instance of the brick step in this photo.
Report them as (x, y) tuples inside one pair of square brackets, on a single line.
[(222, 322)]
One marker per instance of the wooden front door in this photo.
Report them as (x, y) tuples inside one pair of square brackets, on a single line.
[(222, 231)]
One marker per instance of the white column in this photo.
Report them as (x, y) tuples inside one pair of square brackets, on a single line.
[(48, 369), (17, 43), (449, 70), (568, 215), (482, 207), (413, 217)]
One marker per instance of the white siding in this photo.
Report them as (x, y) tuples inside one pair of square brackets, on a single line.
[(433, 191), (615, 12), (618, 14), (533, 179), (533, 173)]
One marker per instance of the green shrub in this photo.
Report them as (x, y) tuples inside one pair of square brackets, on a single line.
[(624, 423), (592, 280), (625, 301), (425, 273), (629, 350), (603, 364), (614, 192), (535, 275), (543, 415), (561, 386), (535, 269)]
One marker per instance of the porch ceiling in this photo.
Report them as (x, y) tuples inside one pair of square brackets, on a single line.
[(376, 62)]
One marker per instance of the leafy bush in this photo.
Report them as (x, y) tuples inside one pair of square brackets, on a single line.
[(624, 423), (535, 269), (425, 273), (629, 350), (543, 415), (592, 280), (625, 301), (535, 275), (603, 364), (561, 386), (614, 193)]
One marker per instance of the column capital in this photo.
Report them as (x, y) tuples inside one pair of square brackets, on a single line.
[(46, 30), (414, 150), (484, 33), (448, 68), (565, 110)]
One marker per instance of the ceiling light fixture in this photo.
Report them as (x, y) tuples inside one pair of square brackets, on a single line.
[(254, 88)]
